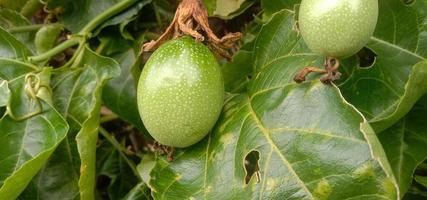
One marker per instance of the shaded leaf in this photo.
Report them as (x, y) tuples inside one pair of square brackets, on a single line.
[(236, 73), (58, 178), (421, 180), (46, 37), (388, 90), (13, 4), (10, 19), (78, 13), (112, 165), (4, 93), (10, 47), (405, 145), (77, 96), (139, 192), (305, 152), (26, 145), (124, 18), (120, 93), (272, 6), (227, 9)]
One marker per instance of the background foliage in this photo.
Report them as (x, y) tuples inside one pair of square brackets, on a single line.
[(70, 129)]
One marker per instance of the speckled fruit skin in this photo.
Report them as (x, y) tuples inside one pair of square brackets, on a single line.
[(180, 92), (337, 28)]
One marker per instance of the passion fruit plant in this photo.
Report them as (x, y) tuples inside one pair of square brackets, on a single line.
[(87, 111)]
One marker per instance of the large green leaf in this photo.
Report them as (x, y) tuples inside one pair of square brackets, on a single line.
[(10, 47), (27, 143), (10, 19), (58, 178), (78, 13), (311, 143), (77, 96), (388, 90), (120, 93), (405, 145), (79, 100)]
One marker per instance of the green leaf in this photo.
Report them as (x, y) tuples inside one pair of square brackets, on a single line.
[(10, 47), (58, 178), (139, 192), (236, 74), (311, 143), (227, 9), (10, 19), (405, 145), (120, 93), (10, 69), (78, 13), (46, 37), (78, 95), (124, 18), (13, 4), (272, 6), (421, 180), (388, 90), (112, 165), (25, 145), (4, 93)]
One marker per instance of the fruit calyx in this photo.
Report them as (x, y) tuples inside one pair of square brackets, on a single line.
[(190, 18)]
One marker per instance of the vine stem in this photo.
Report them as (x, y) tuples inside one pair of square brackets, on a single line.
[(28, 28), (85, 32), (121, 149), (58, 49), (119, 7)]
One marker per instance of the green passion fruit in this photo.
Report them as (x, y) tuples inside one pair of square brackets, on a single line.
[(180, 92), (337, 28)]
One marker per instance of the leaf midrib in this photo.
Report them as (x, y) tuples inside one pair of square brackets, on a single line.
[(276, 149)]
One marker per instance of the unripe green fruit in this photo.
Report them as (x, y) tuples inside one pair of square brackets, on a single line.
[(180, 92), (337, 28)]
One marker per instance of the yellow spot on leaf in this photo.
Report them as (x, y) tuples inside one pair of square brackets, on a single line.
[(178, 177), (366, 171), (323, 190), (271, 184), (227, 139)]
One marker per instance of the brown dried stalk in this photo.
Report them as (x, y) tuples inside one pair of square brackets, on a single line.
[(190, 18)]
